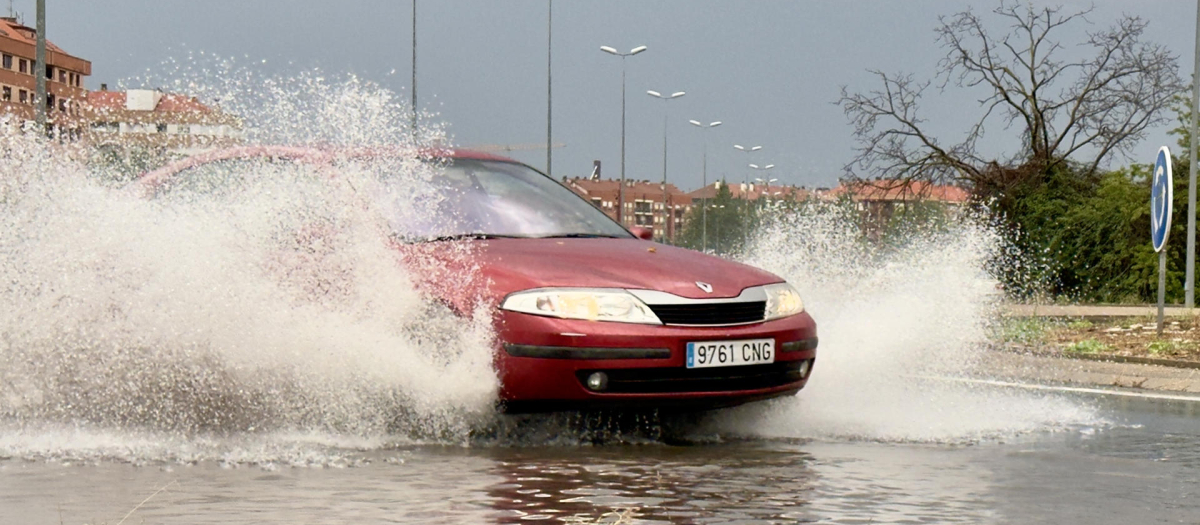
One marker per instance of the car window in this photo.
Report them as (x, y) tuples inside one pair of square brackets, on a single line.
[(495, 198)]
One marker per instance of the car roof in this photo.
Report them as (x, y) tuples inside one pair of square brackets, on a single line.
[(315, 155)]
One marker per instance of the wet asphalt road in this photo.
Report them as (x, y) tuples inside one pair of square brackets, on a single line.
[(1142, 468)]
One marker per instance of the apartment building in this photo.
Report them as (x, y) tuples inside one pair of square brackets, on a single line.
[(173, 123), (644, 202), (64, 82)]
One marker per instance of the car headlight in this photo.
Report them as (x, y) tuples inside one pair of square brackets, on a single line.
[(591, 304), (782, 300)]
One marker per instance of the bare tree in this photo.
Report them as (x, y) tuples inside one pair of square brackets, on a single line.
[(1080, 111)]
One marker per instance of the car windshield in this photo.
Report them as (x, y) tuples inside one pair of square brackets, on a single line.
[(469, 198)]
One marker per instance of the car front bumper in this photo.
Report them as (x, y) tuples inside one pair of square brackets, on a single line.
[(544, 362)]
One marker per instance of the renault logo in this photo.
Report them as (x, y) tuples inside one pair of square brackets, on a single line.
[(704, 286)]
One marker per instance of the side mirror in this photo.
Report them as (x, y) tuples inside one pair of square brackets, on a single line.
[(642, 233)]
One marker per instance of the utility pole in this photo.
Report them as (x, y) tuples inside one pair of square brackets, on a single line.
[(621, 191), (704, 170), (1189, 285), (668, 213), (39, 68), (414, 68), (549, 85)]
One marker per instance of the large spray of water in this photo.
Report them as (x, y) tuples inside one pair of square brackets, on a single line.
[(896, 320), (270, 321), (272, 306)]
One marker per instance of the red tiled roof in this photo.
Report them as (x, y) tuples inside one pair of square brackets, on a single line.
[(25, 34), (169, 103), (892, 190), (753, 192), (585, 186)]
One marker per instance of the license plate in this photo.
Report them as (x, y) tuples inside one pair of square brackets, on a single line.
[(730, 353)]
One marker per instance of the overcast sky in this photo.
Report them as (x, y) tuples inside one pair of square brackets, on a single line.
[(770, 70)]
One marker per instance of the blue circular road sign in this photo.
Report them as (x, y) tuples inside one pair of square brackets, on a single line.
[(1161, 196)]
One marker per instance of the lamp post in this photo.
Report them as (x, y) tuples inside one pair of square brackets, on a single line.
[(767, 182), (722, 206), (549, 87), (704, 170), (39, 70), (746, 149), (414, 70), (621, 190), (746, 183), (668, 213)]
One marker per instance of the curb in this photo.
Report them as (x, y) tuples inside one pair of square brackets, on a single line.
[(1042, 351), (1113, 358)]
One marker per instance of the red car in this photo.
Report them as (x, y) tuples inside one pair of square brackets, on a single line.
[(587, 313)]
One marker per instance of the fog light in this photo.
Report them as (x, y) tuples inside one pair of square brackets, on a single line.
[(804, 366), (597, 382)]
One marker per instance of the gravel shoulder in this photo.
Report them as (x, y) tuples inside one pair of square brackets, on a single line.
[(1098, 347), (1093, 371)]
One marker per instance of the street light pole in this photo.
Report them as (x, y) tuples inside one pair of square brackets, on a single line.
[(549, 85), (414, 68), (768, 183), (39, 68), (621, 190), (668, 212), (704, 170), (1189, 285), (746, 184), (719, 222)]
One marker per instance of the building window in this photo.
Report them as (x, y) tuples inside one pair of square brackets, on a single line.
[(24, 96), (62, 76), (108, 127), (62, 105), (7, 61), (49, 72), (7, 96), (49, 101), (23, 64)]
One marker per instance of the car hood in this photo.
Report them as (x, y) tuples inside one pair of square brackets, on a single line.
[(520, 264)]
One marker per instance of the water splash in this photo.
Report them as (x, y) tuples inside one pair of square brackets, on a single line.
[(893, 320), (274, 308), (272, 325)]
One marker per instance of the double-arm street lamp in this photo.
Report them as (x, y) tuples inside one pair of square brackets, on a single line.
[(746, 149), (767, 185), (668, 213), (704, 170), (766, 182), (621, 190), (715, 206), (759, 180)]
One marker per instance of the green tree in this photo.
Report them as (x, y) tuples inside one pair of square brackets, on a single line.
[(1071, 113), (728, 222)]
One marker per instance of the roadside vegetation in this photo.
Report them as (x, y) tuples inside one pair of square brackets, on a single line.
[(1078, 94), (1129, 337)]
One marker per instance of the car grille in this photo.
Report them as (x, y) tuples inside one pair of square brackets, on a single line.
[(676, 380), (710, 313)]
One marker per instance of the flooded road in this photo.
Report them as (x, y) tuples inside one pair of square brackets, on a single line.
[(1141, 466)]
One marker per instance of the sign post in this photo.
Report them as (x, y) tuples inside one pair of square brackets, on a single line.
[(1161, 200)]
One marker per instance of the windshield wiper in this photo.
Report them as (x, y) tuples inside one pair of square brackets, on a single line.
[(581, 236), (462, 236)]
